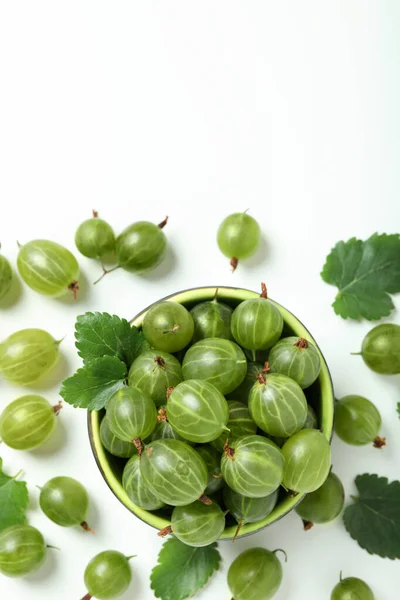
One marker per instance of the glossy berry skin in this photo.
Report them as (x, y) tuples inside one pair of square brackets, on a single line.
[(256, 574), (108, 575), (168, 326), (5, 276), (64, 501), (311, 419), (113, 444), (220, 362), (325, 504), (95, 238), (27, 355), (48, 268), (239, 423), (211, 319), (27, 422), (352, 588), (253, 467), (198, 524), (278, 406), (135, 487), (141, 247), (241, 393), (256, 324), (381, 349), (174, 472), (154, 372), (131, 414), (22, 550), (197, 411), (357, 420), (297, 358), (238, 236), (212, 458), (308, 461), (248, 510)]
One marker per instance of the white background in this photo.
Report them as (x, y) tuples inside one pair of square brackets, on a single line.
[(197, 110)]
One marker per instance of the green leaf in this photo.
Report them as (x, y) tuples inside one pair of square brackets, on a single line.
[(365, 274), (100, 334), (93, 385), (13, 500), (182, 570), (374, 519)]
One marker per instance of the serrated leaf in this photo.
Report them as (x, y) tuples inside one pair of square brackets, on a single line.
[(374, 519), (182, 570), (93, 385), (100, 334), (365, 274), (13, 500)]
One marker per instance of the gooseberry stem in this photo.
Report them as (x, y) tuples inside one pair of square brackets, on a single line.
[(254, 355), (163, 223), (86, 527), (355, 353), (173, 329), (307, 525), (234, 263), (17, 474), (87, 597), (205, 499), (162, 415), (160, 362), (53, 547), (283, 552), (74, 287), (95, 213), (301, 343), (215, 295), (166, 531), (264, 293), (169, 391), (238, 528), (379, 442), (230, 452), (105, 272), (130, 557), (57, 408)]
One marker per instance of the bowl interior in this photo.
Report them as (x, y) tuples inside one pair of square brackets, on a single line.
[(319, 395)]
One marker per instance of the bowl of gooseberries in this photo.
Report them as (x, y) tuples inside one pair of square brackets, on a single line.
[(225, 420)]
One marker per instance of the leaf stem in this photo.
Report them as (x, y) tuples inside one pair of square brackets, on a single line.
[(355, 353), (283, 552)]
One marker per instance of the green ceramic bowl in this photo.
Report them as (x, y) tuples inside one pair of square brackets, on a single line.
[(320, 395)]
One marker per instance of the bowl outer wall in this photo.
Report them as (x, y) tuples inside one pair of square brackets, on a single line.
[(194, 296)]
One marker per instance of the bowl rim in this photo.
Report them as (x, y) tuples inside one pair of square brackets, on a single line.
[(202, 294)]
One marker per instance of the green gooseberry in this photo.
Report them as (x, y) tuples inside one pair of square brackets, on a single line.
[(168, 326), (248, 510), (218, 361), (6, 277), (297, 358), (164, 430), (22, 550), (358, 421), (27, 355), (135, 487), (28, 422), (352, 588), (197, 411), (257, 323), (323, 505), (253, 466), (308, 461), (256, 574), (212, 458), (132, 415), (113, 444), (141, 246), (197, 524), (108, 575), (211, 319), (95, 238), (380, 349), (65, 502), (174, 471), (239, 423), (154, 372), (48, 268), (238, 237), (278, 405), (241, 393)]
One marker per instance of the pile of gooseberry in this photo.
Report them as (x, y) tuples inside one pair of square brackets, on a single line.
[(209, 435)]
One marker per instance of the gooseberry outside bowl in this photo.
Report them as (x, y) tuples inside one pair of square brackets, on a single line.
[(320, 395)]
